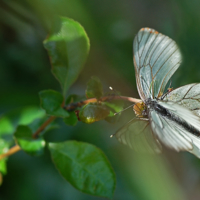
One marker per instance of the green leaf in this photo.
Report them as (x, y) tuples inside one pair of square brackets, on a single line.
[(93, 112), (23, 136), (6, 126), (68, 50), (29, 114), (4, 146), (115, 107), (51, 101), (71, 120), (20, 116), (94, 88), (38, 123), (85, 167)]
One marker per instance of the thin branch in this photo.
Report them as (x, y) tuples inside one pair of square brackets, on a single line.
[(11, 151), (43, 126), (73, 106)]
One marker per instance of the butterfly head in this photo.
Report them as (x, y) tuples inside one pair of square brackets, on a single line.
[(140, 109)]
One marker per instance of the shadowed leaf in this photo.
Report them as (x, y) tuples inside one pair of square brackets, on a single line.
[(84, 166), (51, 101)]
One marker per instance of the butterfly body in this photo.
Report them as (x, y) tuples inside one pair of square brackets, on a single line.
[(153, 105)]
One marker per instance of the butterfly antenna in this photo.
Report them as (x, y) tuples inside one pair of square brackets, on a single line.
[(124, 109), (111, 88), (115, 91), (122, 127)]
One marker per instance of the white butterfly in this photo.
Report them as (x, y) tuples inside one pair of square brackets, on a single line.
[(172, 118)]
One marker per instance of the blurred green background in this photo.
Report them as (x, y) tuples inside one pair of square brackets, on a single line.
[(111, 27)]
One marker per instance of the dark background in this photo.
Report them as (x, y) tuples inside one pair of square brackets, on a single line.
[(111, 27)]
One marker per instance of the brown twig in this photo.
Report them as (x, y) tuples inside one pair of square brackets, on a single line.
[(11, 151), (73, 106), (43, 126)]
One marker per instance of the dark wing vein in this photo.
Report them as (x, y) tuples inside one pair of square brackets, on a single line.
[(147, 54), (162, 53), (188, 91), (163, 63)]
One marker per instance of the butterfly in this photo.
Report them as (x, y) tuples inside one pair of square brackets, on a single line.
[(171, 118)]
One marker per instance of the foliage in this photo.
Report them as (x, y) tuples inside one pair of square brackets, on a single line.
[(85, 167), (68, 50), (82, 164)]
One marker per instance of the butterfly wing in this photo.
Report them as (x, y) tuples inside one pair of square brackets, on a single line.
[(187, 96), (173, 134), (138, 136), (156, 58)]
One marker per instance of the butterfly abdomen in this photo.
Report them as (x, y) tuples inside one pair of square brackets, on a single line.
[(160, 110)]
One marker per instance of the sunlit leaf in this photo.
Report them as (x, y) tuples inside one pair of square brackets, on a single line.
[(4, 146), (93, 112), (68, 50), (21, 116), (29, 114), (23, 136), (84, 166), (51, 101), (6, 126)]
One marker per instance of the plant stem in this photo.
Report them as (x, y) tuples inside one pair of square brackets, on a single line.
[(73, 106), (11, 151), (43, 126)]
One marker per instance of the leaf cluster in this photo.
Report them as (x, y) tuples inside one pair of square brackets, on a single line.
[(82, 164)]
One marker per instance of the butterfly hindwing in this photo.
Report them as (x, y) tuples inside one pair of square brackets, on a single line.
[(187, 96), (138, 136), (173, 134)]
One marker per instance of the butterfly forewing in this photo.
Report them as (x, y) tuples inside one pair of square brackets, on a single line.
[(138, 136), (156, 58)]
